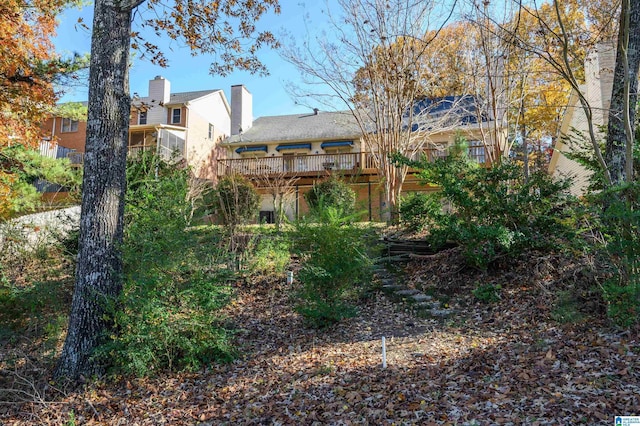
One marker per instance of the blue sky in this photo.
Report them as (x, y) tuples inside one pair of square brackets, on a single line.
[(187, 73)]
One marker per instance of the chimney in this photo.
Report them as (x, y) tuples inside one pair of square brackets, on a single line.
[(159, 90), (241, 109)]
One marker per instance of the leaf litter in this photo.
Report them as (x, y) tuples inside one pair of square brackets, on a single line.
[(505, 363)]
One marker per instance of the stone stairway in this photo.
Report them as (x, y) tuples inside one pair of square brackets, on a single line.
[(423, 304)]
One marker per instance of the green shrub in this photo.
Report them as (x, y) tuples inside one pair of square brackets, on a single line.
[(494, 211), (174, 287), (335, 265), (620, 251), (623, 302), (332, 193), (420, 210), (487, 293)]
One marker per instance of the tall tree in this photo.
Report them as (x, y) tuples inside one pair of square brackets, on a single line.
[(206, 27), (624, 96), (373, 67)]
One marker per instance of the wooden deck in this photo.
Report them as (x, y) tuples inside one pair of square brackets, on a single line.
[(298, 165), (302, 165)]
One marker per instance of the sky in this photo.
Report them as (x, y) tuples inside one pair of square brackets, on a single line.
[(188, 73)]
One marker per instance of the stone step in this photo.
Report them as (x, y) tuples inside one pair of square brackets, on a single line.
[(420, 297), (407, 292), (392, 287), (443, 313)]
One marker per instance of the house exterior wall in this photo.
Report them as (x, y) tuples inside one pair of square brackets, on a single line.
[(169, 115), (273, 152), (215, 109), (199, 145), (52, 128)]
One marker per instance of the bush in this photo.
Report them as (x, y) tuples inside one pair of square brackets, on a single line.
[(420, 210), (237, 200), (335, 266), (620, 251), (174, 287), (332, 193), (494, 211)]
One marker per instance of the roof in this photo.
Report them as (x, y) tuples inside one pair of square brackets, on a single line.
[(174, 99), (299, 127), (182, 97), (457, 110)]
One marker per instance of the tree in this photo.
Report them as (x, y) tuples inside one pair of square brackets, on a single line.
[(331, 193), (25, 77), (22, 167), (562, 48), (205, 27), (541, 93), (464, 58), (282, 188), (622, 110), (373, 68), (237, 201), (28, 71)]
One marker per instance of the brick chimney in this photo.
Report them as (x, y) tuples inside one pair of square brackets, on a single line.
[(241, 109)]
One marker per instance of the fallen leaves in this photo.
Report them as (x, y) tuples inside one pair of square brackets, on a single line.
[(506, 364)]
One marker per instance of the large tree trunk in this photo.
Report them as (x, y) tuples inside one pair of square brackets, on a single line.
[(621, 131), (99, 270)]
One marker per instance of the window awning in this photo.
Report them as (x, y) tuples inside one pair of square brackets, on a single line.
[(335, 144), (294, 146), (251, 149)]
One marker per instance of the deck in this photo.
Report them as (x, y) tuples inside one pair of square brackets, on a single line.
[(299, 165)]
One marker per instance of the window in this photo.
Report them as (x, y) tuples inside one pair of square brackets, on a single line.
[(176, 116), (476, 151), (69, 125), (210, 131), (142, 117)]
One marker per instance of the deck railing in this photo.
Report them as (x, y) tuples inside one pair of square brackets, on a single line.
[(314, 164), (348, 163)]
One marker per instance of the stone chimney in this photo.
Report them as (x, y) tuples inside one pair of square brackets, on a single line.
[(241, 109)]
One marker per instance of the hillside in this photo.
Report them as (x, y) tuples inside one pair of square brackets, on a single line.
[(525, 358)]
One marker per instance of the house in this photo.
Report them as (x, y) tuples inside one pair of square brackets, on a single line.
[(599, 69), (305, 148), (181, 125)]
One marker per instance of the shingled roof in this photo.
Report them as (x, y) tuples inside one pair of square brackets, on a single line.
[(182, 97), (299, 127)]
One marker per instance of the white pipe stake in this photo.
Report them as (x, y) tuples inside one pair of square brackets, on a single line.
[(384, 353)]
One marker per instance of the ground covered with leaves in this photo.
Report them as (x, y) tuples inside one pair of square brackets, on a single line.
[(530, 355)]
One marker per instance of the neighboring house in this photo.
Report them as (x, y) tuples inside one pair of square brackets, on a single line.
[(64, 138), (310, 147), (183, 125), (599, 69)]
